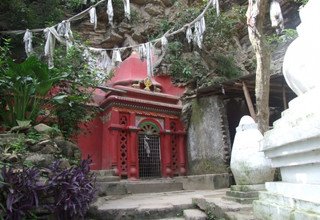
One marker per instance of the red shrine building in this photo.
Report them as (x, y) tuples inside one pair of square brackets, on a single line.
[(138, 134)]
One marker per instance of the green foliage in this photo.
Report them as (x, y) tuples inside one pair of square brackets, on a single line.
[(4, 54), (179, 68), (22, 14), (226, 66), (17, 146), (69, 104), (71, 112), (286, 35), (218, 39), (303, 2), (220, 30), (24, 86)]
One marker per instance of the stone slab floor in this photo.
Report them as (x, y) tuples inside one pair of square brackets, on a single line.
[(165, 205)]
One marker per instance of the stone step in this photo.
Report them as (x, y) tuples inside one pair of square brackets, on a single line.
[(248, 188), (152, 187), (107, 178), (240, 215), (218, 208), (166, 205), (239, 194), (103, 172), (110, 188), (136, 187), (240, 200), (171, 218), (194, 214)]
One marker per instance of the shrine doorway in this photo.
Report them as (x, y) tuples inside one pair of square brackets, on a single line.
[(149, 152)]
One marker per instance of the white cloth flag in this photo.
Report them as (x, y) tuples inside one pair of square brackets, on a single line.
[(27, 39), (189, 34), (49, 46), (93, 17), (164, 43), (216, 4), (199, 28), (276, 16), (110, 12), (203, 25), (142, 52), (127, 8), (105, 60), (149, 59), (51, 35), (64, 30), (116, 57)]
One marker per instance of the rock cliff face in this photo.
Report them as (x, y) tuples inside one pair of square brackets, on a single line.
[(148, 17)]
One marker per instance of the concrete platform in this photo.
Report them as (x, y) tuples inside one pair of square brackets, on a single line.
[(165, 205)]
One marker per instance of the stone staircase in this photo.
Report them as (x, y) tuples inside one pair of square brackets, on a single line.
[(151, 199), (159, 199), (109, 185), (165, 206)]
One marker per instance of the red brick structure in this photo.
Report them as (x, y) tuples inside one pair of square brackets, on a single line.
[(139, 133)]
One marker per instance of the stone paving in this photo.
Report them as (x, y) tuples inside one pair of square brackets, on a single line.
[(166, 205)]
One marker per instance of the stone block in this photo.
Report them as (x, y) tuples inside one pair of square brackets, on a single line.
[(240, 200), (277, 206), (194, 214), (239, 194), (204, 182), (247, 188), (151, 187)]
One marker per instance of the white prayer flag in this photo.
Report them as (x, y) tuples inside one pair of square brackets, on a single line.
[(27, 39), (93, 17), (110, 12)]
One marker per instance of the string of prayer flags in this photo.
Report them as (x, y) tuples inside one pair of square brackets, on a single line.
[(110, 12), (27, 39), (93, 17)]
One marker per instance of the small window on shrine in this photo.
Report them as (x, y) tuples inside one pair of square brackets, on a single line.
[(149, 128)]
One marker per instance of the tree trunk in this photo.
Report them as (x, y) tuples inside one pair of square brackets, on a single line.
[(255, 18)]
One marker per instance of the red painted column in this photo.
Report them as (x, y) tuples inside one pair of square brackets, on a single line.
[(105, 151), (166, 150), (114, 141), (133, 165)]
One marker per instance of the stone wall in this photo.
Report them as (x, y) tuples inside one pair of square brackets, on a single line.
[(208, 137)]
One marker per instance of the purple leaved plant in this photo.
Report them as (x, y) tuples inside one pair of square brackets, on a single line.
[(64, 193)]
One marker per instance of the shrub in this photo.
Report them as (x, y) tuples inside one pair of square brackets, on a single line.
[(20, 190), (66, 194), (71, 189)]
